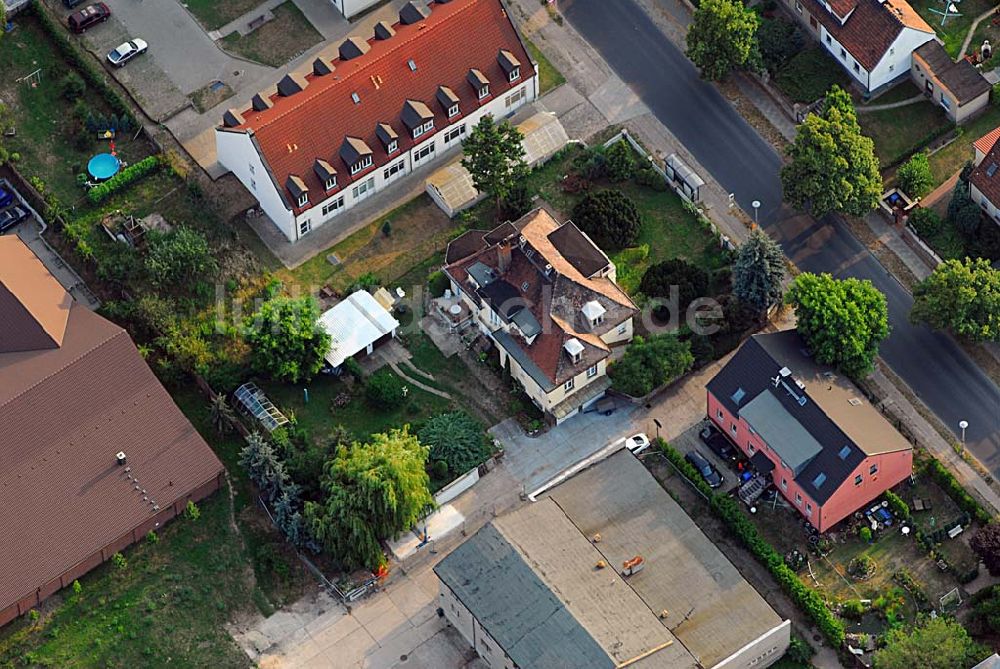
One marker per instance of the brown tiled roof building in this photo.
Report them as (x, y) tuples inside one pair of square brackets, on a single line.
[(74, 394)]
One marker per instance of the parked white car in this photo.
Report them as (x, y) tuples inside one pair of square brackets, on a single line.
[(127, 51), (637, 443)]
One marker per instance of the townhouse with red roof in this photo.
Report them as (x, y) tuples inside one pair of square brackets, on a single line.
[(984, 182), (806, 429), (379, 108), (546, 296)]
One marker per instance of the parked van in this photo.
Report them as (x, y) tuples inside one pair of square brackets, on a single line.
[(88, 16)]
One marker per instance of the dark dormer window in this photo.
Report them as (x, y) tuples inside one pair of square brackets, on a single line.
[(365, 161), (479, 82), (484, 91), (452, 111), (393, 145), (514, 75), (297, 188), (330, 183)]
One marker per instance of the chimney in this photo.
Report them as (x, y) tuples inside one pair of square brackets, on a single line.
[(120, 457), (503, 255), (633, 566)]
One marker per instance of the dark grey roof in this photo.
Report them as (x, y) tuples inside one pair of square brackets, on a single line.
[(412, 13), (477, 79), (501, 232), (323, 170), (352, 47), (762, 463), (446, 97), (482, 273), (463, 246), (753, 369), (291, 84), (322, 67), (260, 102), (578, 249), (515, 606), (296, 186), (526, 322), (508, 61), (504, 297), (353, 149), (515, 351), (232, 118), (385, 133), (383, 30), (416, 113), (964, 81)]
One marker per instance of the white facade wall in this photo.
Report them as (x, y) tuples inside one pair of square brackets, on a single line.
[(350, 8), (761, 652), (470, 628), (239, 156), (989, 208), (895, 62)]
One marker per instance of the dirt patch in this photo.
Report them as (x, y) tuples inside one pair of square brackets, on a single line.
[(884, 254), (746, 108), (287, 35), (207, 97)]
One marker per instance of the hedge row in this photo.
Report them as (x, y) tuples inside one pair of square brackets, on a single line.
[(123, 179), (83, 62), (962, 498), (898, 506), (728, 509)]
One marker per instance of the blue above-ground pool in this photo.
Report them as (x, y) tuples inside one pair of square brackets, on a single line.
[(103, 166)]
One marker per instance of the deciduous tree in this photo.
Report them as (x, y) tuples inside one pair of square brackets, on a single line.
[(915, 176), (758, 271), (842, 321), (178, 257), (649, 363), (961, 296), (934, 643), (778, 40), (986, 544), (833, 166), (286, 340), (722, 38), (691, 281), (371, 492), (494, 157)]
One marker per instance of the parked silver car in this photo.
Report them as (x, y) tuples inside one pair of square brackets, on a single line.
[(123, 53)]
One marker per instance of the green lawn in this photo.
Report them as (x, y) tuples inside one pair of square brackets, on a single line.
[(548, 76), (955, 28), (810, 74), (902, 131), (902, 91), (214, 14), (50, 142), (278, 41), (950, 159)]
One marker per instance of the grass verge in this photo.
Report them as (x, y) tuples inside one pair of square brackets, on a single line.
[(287, 35), (901, 131), (548, 76), (213, 14), (809, 75)]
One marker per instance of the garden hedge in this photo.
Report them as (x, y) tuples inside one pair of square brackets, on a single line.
[(84, 63), (123, 179), (728, 510), (954, 489)]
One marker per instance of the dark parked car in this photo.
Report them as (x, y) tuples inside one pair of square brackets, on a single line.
[(718, 444), (89, 16), (12, 216), (711, 475), (6, 197), (70, 4)]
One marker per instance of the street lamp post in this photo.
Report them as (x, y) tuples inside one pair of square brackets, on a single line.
[(756, 205), (963, 424), (658, 426)]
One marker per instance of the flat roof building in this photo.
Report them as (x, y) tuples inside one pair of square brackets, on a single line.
[(528, 590)]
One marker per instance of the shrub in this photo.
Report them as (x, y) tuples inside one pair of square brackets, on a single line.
[(72, 86), (152, 538), (954, 489), (986, 544), (650, 178), (178, 257), (686, 469), (609, 217), (437, 283), (659, 279), (385, 390), (123, 179), (778, 40), (808, 75), (591, 164), (439, 469), (865, 534), (455, 438), (353, 368), (191, 511), (517, 203), (914, 176), (620, 161), (897, 505), (853, 609), (119, 561), (77, 588), (651, 363), (926, 222)]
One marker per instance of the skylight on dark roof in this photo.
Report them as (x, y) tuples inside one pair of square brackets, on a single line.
[(844, 452), (738, 396), (818, 481), (991, 170)]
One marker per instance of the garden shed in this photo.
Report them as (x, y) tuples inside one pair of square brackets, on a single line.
[(356, 325)]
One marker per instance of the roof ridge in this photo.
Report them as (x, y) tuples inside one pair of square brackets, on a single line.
[(118, 332), (393, 48)]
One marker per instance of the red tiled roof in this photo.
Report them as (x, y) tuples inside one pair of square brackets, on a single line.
[(66, 412), (870, 29), (986, 142), (988, 184), (456, 37)]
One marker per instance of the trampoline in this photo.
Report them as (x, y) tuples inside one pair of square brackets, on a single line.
[(103, 166)]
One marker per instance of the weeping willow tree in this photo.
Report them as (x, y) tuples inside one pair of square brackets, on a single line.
[(370, 492)]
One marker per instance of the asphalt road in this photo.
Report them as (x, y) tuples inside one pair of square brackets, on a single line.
[(947, 380)]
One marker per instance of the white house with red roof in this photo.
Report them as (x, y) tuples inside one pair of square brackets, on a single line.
[(385, 105), (984, 182)]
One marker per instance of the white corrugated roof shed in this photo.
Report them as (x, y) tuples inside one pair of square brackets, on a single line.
[(543, 136), (355, 324)]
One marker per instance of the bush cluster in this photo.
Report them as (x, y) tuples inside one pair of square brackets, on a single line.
[(897, 505), (954, 489), (728, 510), (385, 390), (124, 179)]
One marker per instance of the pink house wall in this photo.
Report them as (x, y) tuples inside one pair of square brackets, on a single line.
[(891, 469)]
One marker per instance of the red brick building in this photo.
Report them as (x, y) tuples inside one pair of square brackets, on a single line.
[(819, 439), (95, 453)]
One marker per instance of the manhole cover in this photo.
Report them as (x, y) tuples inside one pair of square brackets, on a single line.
[(402, 658)]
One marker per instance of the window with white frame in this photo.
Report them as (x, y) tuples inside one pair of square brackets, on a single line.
[(592, 372), (393, 169), (331, 183), (454, 133), (419, 130), (516, 97), (873, 470), (568, 385), (798, 499), (514, 75), (718, 414), (365, 161), (334, 206), (303, 199), (393, 145), (305, 227), (732, 428), (784, 483), (858, 479), (750, 449), (429, 126), (809, 509), (623, 328), (423, 153), (484, 91), (452, 111), (363, 189)]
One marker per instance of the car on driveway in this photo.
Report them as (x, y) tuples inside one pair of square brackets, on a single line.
[(718, 444), (11, 216), (88, 16), (123, 53), (711, 475), (637, 443), (6, 197)]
